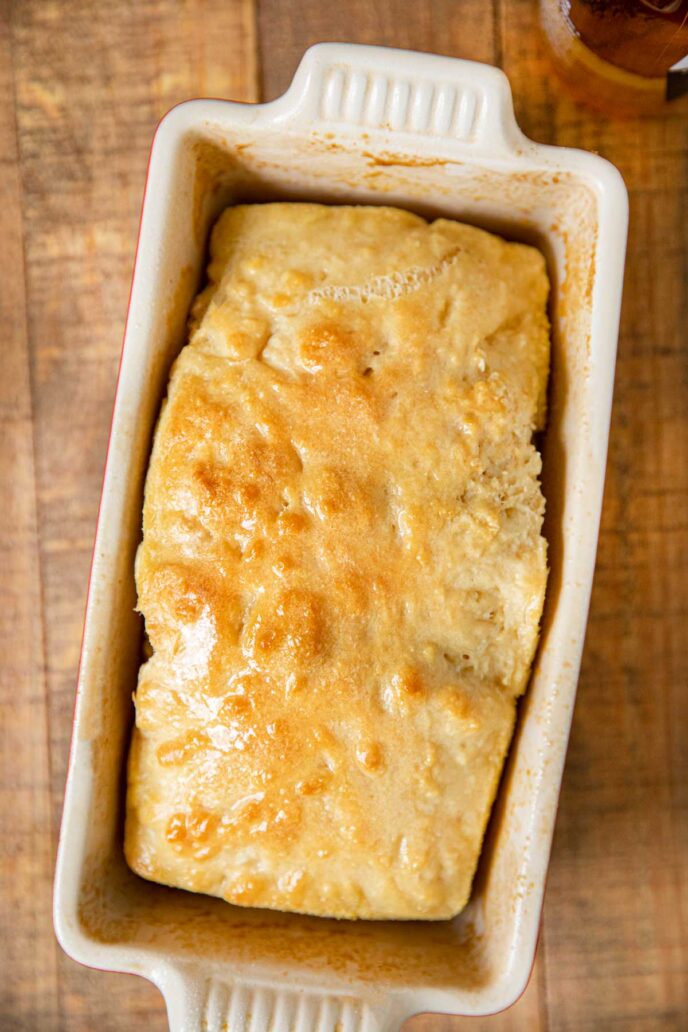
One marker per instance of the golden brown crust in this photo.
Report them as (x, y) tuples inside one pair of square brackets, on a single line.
[(342, 571)]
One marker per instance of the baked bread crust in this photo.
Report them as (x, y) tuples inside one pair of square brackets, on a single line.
[(342, 570)]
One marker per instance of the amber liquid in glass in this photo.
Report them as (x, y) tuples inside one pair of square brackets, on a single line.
[(615, 54)]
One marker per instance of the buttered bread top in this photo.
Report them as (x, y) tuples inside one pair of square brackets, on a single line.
[(342, 570)]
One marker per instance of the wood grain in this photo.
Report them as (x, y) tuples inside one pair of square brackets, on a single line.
[(29, 950), (615, 917), (91, 80), (81, 88)]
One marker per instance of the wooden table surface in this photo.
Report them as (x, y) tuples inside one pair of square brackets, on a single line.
[(82, 85)]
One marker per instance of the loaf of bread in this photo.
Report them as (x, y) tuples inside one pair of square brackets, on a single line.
[(342, 570)]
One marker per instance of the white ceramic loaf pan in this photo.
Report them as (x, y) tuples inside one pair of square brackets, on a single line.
[(438, 136)]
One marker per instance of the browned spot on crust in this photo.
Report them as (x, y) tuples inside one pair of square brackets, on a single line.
[(371, 758), (193, 832), (180, 750), (325, 346), (296, 625), (409, 683)]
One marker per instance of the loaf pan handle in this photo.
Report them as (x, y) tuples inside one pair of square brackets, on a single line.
[(198, 1002), (344, 86)]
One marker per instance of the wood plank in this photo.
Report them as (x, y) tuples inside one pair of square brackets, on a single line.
[(92, 80), (28, 978), (615, 916), (459, 29)]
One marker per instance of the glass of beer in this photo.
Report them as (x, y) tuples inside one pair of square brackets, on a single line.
[(615, 54)]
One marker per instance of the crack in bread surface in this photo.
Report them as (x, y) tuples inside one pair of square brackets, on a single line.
[(342, 569), (388, 287)]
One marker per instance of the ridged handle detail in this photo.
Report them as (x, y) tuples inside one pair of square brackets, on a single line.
[(405, 105), (402, 93), (243, 1009), (212, 1004)]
